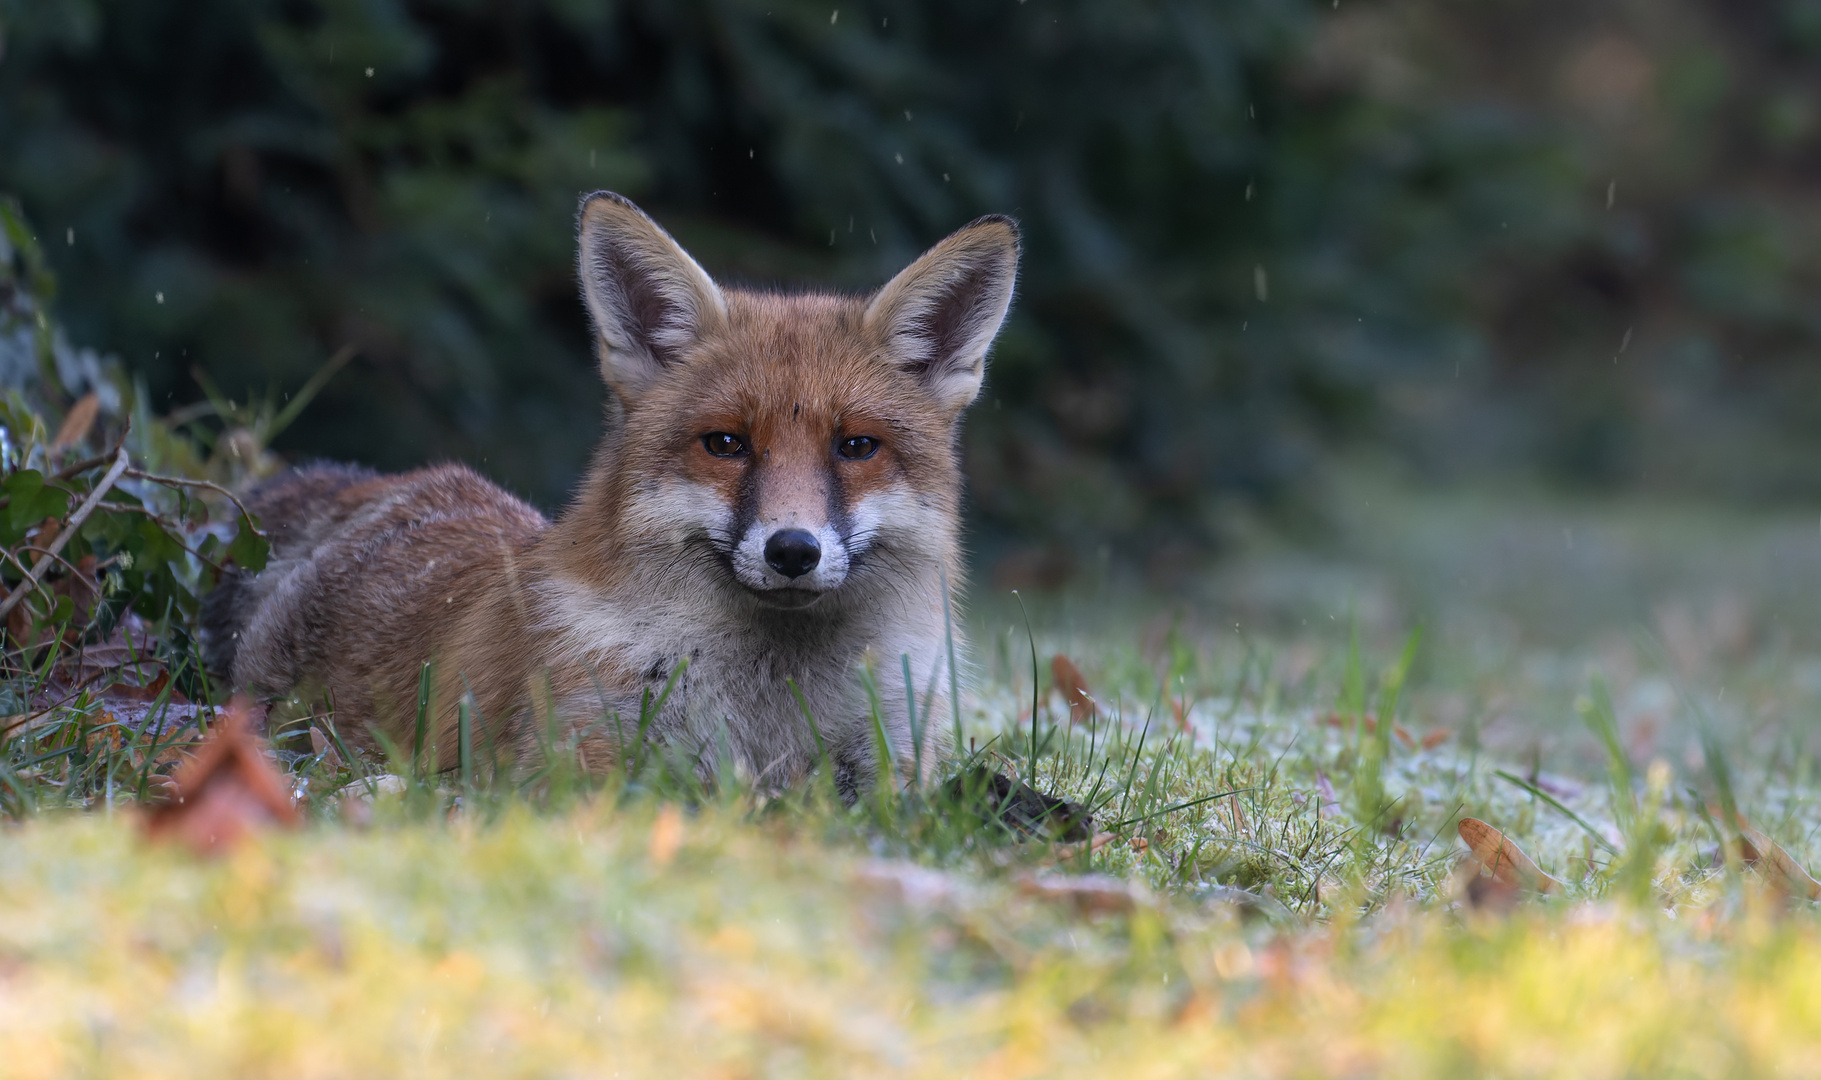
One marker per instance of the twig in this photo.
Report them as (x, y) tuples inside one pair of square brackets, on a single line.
[(98, 460), (63, 537), (26, 570), (175, 481), (67, 565)]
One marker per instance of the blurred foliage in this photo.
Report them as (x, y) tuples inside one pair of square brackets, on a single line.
[(1488, 237)]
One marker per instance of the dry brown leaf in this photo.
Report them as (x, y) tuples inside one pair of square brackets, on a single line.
[(1367, 723), (1504, 859), (1403, 736), (1757, 849), (666, 834), (227, 791), (1491, 894), (1090, 893), (1067, 680), (125, 691), (1062, 852), (1436, 738), (77, 422), (1760, 850), (908, 883), (320, 746)]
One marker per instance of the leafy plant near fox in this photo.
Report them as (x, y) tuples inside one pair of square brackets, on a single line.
[(113, 524)]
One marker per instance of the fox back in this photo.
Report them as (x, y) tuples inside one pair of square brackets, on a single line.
[(774, 507)]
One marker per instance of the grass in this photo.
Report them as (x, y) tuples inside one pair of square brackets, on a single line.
[(1277, 889)]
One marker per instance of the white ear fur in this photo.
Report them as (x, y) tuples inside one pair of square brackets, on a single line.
[(648, 299), (939, 316)]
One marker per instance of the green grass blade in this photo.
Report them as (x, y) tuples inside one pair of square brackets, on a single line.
[(1550, 799)]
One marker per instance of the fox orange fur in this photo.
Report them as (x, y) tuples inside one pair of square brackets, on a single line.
[(775, 501)]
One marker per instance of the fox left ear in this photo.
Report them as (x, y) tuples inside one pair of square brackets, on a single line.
[(940, 315), (647, 298)]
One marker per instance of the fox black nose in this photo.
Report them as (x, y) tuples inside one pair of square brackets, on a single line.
[(793, 552)]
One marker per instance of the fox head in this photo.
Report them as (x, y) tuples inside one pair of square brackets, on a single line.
[(795, 445)]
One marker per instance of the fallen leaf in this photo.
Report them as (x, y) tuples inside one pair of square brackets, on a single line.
[(225, 792), (1491, 894), (128, 692), (1070, 851), (666, 834), (1503, 859), (908, 883), (1067, 680), (1367, 723), (319, 745), (1090, 893), (77, 422), (1760, 850), (1403, 736), (1436, 738)]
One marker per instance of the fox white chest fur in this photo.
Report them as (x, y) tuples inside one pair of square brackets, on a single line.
[(773, 508)]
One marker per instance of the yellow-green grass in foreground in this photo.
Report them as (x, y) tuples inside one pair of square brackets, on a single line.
[(587, 944)]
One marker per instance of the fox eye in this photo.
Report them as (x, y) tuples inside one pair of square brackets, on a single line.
[(858, 447), (721, 444)]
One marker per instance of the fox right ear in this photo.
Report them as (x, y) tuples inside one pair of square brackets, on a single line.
[(940, 315), (647, 298)]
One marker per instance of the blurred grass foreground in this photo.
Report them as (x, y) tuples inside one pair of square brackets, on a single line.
[(607, 943)]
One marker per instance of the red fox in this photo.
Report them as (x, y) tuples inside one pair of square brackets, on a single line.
[(774, 505)]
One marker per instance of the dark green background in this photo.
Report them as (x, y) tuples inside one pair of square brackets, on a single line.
[(1566, 240)]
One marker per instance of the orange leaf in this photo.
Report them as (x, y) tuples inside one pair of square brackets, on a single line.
[(1367, 723), (1403, 736), (1090, 893), (1503, 859), (1070, 851), (1436, 738), (226, 792), (77, 422), (122, 691), (666, 834), (1067, 680), (1760, 850)]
